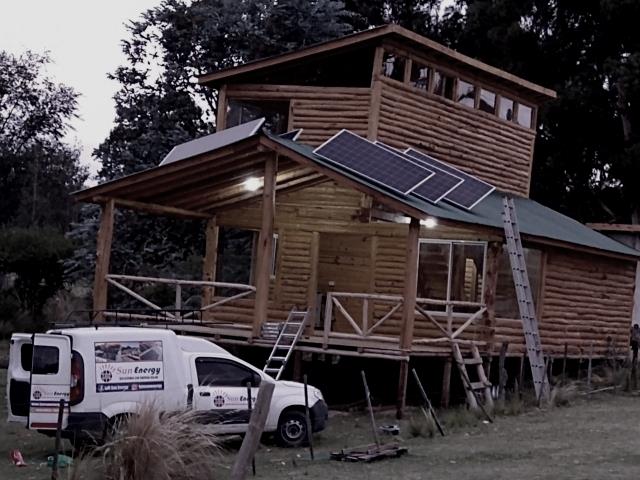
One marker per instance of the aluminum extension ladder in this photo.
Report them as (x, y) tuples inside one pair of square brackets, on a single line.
[(289, 334), (525, 298)]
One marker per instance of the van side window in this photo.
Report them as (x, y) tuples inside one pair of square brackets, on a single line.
[(45, 360), (26, 356), (213, 372)]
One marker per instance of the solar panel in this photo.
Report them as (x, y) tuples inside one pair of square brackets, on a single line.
[(212, 142), (436, 187), (365, 158), (469, 193), (292, 135)]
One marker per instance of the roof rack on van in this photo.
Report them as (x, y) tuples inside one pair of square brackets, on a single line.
[(133, 317)]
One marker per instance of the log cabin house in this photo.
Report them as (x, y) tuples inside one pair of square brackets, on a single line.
[(383, 275)]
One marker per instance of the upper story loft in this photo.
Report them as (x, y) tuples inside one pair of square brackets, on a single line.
[(393, 85)]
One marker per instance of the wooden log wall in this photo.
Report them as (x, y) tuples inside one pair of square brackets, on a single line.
[(494, 150), (585, 300)]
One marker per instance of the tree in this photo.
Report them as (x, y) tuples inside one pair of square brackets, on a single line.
[(37, 170)]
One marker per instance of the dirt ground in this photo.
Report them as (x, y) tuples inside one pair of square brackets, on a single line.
[(599, 438)]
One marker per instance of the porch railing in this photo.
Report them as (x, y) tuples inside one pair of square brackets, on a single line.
[(242, 289), (363, 325)]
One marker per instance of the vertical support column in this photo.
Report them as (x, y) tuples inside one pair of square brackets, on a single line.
[(312, 292), (103, 256), (264, 250), (221, 113), (209, 263), (408, 309), (376, 95), (494, 252)]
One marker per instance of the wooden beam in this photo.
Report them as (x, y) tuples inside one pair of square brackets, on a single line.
[(103, 256), (221, 113), (264, 250), (376, 95), (312, 289), (410, 285), (154, 208), (494, 252), (210, 261)]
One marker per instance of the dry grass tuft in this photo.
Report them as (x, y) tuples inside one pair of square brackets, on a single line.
[(460, 418), (563, 395), (167, 446), (421, 426)]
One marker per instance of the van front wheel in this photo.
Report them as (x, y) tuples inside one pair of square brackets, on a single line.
[(292, 429)]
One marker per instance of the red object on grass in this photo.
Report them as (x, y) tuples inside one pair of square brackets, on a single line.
[(16, 458)]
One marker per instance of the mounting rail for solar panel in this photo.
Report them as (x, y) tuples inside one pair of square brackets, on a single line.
[(291, 134), (490, 190), (407, 192), (416, 161)]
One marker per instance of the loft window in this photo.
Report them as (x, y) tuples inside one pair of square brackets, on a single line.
[(466, 93), (420, 75), (451, 270), (506, 300), (393, 66), (506, 109), (237, 255), (525, 115), (487, 101), (442, 85), (276, 114)]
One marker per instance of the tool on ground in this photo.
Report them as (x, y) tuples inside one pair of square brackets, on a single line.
[(427, 403)]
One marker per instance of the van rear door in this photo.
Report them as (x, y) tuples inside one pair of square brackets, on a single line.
[(18, 377), (50, 380)]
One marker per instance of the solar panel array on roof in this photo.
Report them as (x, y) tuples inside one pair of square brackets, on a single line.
[(211, 142), (291, 135), (434, 188), (365, 158), (466, 195)]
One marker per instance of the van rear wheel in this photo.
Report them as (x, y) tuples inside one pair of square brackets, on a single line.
[(292, 429)]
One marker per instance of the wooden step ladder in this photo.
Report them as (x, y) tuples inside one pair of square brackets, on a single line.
[(287, 337), (475, 390), (525, 298)]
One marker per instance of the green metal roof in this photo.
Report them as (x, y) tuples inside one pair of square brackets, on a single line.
[(534, 219)]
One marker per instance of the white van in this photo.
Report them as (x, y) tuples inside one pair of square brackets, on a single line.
[(106, 373)]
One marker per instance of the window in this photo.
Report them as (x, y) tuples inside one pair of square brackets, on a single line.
[(487, 101), (213, 372), (442, 85), (525, 115), (506, 109), (237, 255), (466, 93), (393, 66), (420, 75), (26, 356), (451, 270), (276, 114), (45, 360), (506, 300)]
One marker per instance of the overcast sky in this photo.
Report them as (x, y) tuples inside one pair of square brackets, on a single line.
[(83, 38)]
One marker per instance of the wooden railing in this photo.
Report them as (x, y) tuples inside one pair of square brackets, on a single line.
[(243, 291), (365, 323)]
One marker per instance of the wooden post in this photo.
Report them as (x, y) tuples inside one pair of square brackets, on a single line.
[(54, 467), (503, 372), (250, 407), (446, 383), (521, 375), (221, 113), (307, 415), (210, 262), (254, 431), (376, 94), (312, 288), (264, 250), (564, 363), (589, 368), (403, 376), (103, 256), (494, 252), (408, 308)]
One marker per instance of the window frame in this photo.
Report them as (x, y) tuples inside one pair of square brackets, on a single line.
[(451, 243)]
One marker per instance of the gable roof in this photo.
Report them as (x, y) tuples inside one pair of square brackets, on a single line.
[(373, 36), (178, 188)]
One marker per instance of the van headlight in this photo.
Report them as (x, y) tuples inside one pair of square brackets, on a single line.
[(317, 394)]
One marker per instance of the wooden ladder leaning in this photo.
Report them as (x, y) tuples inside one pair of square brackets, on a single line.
[(475, 390), (286, 340), (525, 298)]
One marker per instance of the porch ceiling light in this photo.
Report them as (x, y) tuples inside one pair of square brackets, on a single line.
[(252, 184), (430, 222)]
